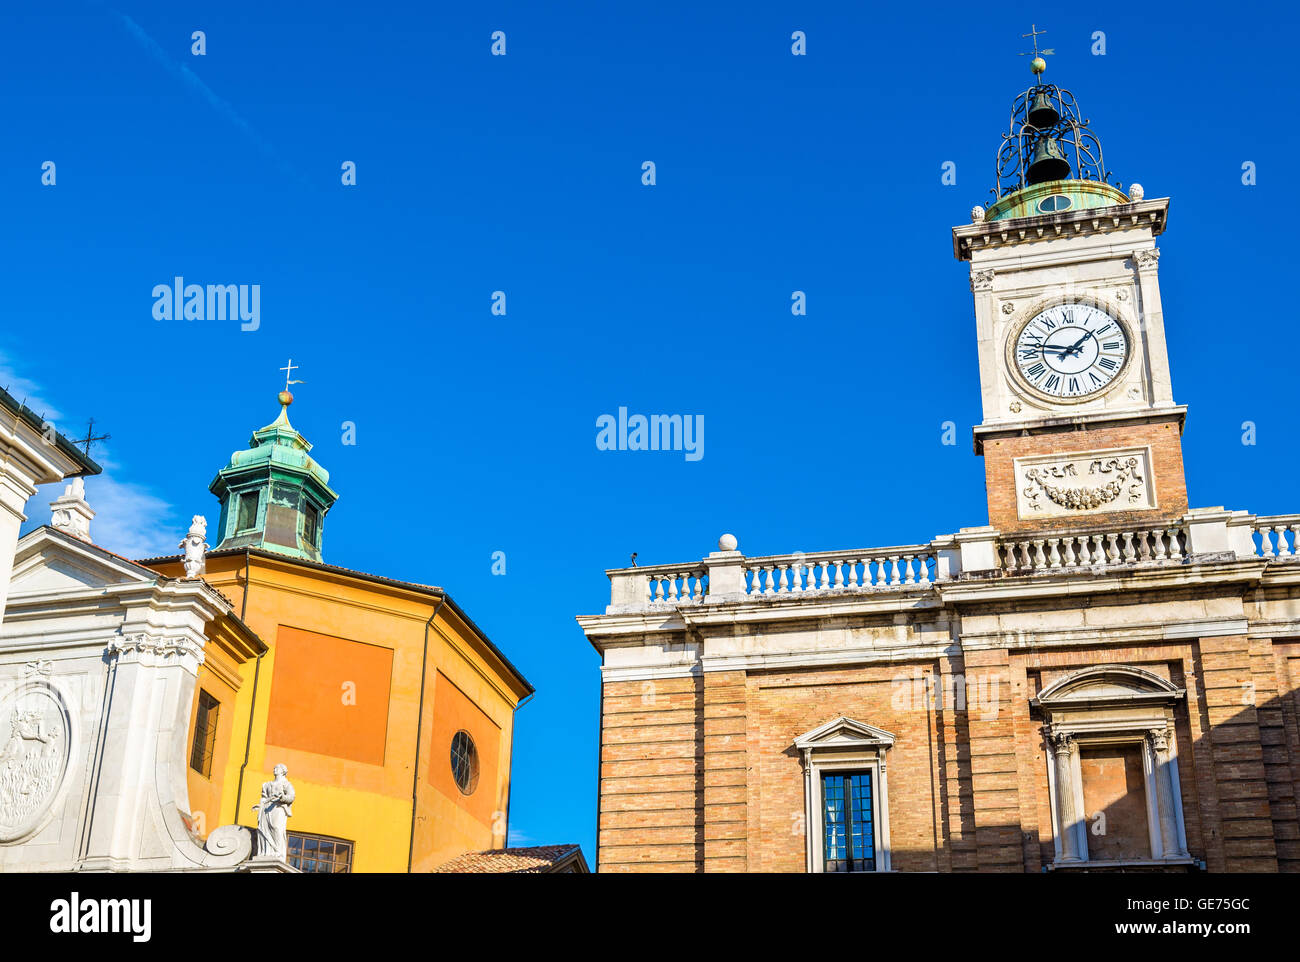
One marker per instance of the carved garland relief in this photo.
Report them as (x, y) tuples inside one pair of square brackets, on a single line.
[(1100, 481)]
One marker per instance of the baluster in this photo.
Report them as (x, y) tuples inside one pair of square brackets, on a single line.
[(659, 588), (1265, 546), (1054, 554), (1129, 553), (784, 582), (1163, 552), (1038, 554), (1112, 548), (1141, 545), (923, 576), (856, 579), (1022, 556), (907, 569), (1282, 550), (1068, 557)]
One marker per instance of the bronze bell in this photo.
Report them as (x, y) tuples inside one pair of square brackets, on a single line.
[(1041, 113), (1048, 163)]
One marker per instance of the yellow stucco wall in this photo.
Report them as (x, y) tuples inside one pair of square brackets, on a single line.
[(366, 802)]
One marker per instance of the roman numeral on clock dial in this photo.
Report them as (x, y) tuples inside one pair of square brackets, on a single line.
[(1070, 351)]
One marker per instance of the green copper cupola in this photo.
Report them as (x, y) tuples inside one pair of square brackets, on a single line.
[(274, 495)]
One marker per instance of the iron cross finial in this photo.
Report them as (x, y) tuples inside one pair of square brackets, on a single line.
[(91, 437), (1035, 33), (288, 374)]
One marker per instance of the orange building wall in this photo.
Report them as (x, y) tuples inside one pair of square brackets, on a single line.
[(354, 766), (330, 696)]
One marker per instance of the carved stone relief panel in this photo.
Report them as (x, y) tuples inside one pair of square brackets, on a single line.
[(1085, 483), (34, 753)]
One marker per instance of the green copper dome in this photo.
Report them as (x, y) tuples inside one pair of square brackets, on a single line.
[(274, 495), (1054, 197)]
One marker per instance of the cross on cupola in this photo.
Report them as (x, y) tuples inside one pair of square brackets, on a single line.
[(274, 495), (1038, 64)]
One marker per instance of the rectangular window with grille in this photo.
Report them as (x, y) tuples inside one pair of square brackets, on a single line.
[(319, 853), (848, 822), (205, 734)]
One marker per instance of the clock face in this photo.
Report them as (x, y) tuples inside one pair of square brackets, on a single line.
[(1071, 351)]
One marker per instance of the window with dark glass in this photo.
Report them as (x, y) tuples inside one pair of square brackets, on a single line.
[(1054, 203), (464, 762), (205, 734), (310, 524), (247, 511), (319, 853), (848, 822)]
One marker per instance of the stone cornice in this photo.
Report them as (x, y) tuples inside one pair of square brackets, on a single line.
[(1077, 422), (969, 238)]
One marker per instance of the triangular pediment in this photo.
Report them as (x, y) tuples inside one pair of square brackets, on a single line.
[(48, 561), (844, 732)]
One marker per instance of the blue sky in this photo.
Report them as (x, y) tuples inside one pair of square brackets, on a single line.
[(476, 433)]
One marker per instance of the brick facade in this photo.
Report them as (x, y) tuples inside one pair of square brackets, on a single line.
[(1161, 434), (700, 773)]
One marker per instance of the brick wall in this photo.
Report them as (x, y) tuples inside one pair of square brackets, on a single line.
[(700, 774), (1167, 466), (651, 766)]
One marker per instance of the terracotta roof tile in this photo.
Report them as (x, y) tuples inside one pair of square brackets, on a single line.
[(533, 860)]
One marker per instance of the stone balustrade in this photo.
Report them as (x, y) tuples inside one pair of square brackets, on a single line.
[(662, 584), (1055, 550), (913, 565), (727, 575), (1277, 536)]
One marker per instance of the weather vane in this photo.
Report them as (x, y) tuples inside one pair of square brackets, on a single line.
[(1038, 64)]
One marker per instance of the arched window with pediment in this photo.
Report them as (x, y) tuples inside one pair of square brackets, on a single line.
[(1112, 768)]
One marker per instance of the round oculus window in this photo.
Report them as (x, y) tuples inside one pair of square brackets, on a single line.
[(464, 762), (1055, 202)]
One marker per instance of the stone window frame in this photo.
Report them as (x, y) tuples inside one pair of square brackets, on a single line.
[(844, 745), (1113, 705)]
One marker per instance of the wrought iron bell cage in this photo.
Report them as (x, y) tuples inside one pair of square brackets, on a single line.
[(1074, 141)]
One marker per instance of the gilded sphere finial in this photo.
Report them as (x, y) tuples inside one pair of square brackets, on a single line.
[(1038, 65), (285, 398)]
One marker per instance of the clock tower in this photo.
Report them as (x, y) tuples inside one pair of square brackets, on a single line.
[(1079, 420)]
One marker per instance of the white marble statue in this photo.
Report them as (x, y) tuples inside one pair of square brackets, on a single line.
[(273, 812), (196, 547)]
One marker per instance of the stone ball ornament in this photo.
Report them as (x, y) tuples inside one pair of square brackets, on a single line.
[(727, 542), (1136, 192), (977, 214)]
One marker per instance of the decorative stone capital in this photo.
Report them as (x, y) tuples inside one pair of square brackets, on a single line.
[(981, 280), (1159, 739), (146, 649), (1146, 258), (1063, 743)]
